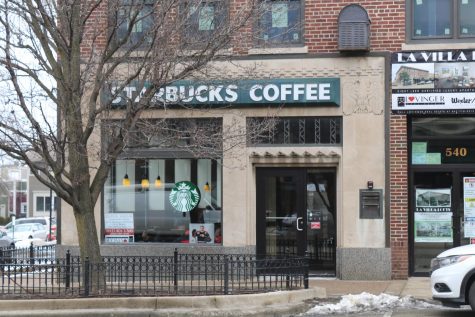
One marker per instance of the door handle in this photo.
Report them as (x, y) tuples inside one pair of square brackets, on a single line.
[(299, 219)]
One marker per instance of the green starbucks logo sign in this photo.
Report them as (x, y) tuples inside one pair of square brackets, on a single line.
[(184, 196)]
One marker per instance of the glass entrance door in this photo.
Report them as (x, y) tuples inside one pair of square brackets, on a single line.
[(321, 220), (280, 208), (296, 213), (443, 215)]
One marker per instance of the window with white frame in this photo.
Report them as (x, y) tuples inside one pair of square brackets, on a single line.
[(441, 19)]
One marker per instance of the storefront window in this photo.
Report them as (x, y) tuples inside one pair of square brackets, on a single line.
[(163, 200)]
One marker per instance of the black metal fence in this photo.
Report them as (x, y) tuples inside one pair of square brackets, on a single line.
[(180, 274)]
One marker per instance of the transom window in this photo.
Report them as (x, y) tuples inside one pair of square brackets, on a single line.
[(280, 22), (293, 131), (438, 19)]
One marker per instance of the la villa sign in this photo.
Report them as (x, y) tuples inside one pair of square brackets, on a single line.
[(308, 91), (437, 82), (435, 57)]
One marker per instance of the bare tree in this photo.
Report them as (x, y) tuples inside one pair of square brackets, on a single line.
[(75, 58)]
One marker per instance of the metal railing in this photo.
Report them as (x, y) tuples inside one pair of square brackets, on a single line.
[(179, 274)]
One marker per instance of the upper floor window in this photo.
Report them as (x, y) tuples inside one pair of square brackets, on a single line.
[(280, 22), (442, 19), (203, 19), (133, 21)]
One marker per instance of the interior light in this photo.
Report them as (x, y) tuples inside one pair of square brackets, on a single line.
[(158, 182), (145, 183), (126, 180)]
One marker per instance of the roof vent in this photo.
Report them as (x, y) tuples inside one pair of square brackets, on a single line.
[(353, 29)]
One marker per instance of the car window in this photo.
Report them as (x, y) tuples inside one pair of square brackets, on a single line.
[(22, 228), (41, 221)]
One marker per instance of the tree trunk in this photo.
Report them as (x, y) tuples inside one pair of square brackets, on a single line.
[(90, 248)]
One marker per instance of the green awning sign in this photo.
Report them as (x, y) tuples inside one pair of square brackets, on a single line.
[(185, 196), (306, 91)]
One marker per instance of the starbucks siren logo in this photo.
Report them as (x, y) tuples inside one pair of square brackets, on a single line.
[(184, 196)]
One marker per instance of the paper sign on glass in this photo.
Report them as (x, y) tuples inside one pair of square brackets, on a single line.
[(280, 15), (206, 18)]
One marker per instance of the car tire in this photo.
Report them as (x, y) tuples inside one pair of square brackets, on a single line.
[(471, 296)]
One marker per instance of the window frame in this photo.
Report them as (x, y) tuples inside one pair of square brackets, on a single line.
[(338, 120), (455, 24), (44, 195), (259, 43), (168, 181), (190, 29), (114, 18)]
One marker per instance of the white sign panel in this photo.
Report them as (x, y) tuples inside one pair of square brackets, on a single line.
[(469, 206), (433, 81)]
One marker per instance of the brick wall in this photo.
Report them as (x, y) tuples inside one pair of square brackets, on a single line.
[(399, 196), (387, 24)]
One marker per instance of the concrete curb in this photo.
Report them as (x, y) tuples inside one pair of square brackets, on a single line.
[(264, 304)]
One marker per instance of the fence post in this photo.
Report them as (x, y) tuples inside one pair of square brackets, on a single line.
[(175, 270), (306, 268), (226, 276), (86, 277), (32, 254), (68, 269)]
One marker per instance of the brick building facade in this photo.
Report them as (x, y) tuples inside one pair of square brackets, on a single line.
[(368, 154)]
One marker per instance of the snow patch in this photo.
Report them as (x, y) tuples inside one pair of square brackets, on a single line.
[(368, 302)]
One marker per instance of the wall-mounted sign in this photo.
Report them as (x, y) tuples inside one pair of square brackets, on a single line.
[(185, 196), (308, 91), (433, 81)]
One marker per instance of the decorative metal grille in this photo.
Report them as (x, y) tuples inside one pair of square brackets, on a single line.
[(295, 131), (302, 131), (333, 131), (286, 131), (317, 130)]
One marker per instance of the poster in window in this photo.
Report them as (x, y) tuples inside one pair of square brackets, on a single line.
[(469, 206), (433, 215), (201, 232), (119, 227), (280, 15)]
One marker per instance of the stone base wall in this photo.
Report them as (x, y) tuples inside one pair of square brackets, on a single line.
[(152, 249), (364, 263)]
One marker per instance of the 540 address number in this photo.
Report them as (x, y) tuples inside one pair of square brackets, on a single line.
[(456, 151)]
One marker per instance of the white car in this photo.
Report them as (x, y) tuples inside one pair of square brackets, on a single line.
[(453, 276), (27, 231)]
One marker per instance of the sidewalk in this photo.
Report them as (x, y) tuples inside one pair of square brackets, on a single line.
[(282, 303), (417, 287)]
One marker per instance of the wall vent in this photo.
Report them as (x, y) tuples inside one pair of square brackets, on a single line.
[(353, 29)]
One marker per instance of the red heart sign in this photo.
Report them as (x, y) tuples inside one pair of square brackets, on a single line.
[(411, 99)]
